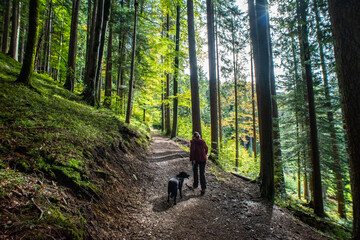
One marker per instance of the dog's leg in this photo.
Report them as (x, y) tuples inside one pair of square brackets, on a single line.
[(168, 197), (175, 194)]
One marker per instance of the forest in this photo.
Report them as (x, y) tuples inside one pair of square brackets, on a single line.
[(271, 86)]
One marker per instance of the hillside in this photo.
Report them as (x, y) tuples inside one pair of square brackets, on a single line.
[(63, 164), (69, 171)]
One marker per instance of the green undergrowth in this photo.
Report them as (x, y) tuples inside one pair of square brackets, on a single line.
[(47, 131), (304, 213)]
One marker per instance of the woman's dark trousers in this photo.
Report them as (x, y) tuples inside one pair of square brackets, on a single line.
[(201, 167)]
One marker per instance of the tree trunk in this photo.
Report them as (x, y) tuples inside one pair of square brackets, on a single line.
[(47, 34), (70, 71), (14, 43), (22, 43), (218, 84), (330, 116), (6, 27), (131, 81), (90, 37), (108, 78), (260, 41), (345, 20), (28, 65), (306, 63), (278, 165), (253, 107), (177, 48), (167, 97), (106, 14), (212, 81), (194, 82), (90, 87)]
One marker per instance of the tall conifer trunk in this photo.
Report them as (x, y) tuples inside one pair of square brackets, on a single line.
[(6, 26), (194, 82), (167, 97), (175, 87), (330, 116), (14, 42), (345, 20), (108, 77), (212, 81), (29, 57), (259, 37), (314, 145), (70, 71), (131, 82)]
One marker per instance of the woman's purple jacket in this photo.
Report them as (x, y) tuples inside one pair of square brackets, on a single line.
[(198, 150)]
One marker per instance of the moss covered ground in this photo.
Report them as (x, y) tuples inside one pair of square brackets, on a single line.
[(58, 157)]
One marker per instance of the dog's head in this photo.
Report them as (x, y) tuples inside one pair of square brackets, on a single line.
[(183, 175)]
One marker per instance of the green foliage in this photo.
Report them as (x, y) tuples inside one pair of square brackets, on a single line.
[(48, 131)]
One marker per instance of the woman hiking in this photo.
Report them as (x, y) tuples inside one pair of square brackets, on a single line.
[(198, 151)]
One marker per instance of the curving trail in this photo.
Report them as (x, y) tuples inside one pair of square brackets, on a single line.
[(230, 209)]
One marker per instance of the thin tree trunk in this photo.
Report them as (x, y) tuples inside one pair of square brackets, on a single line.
[(236, 98), (278, 165), (212, 81), (131, 81), (47, 39), (253, 107), (71, 64), (315, 157), (194, 82), (298, 159), (6, 26), (345, 20), (14, 43), (108, 78), (330, 115), (28, 65), (175, 84), (218, 84), (106, 14), (22, 43), (167, 98)]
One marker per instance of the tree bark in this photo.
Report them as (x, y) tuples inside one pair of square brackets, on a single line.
[(5, 36), (90, 87), (330, 116), (194, 82), (28, 65), (218, 83), (90, 37), (345, 20), (278, 165), (212, 81), (264, 102), (47, 34), (131, 81), (167, 97), (71, 64), (98, 76), (175, 84), (108, 77), (314, 145), (14, 42), (253, 107)]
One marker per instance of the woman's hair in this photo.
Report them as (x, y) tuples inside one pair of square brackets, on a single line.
[(196, 135)]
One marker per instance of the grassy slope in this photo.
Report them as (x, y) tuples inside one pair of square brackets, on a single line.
[(56, 156)]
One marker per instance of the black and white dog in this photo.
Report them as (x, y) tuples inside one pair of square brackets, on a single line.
[(175, 184)]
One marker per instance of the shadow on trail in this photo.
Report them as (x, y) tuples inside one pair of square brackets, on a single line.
[(161, 205)]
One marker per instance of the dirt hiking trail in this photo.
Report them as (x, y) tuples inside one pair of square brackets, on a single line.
[(230, 209)]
